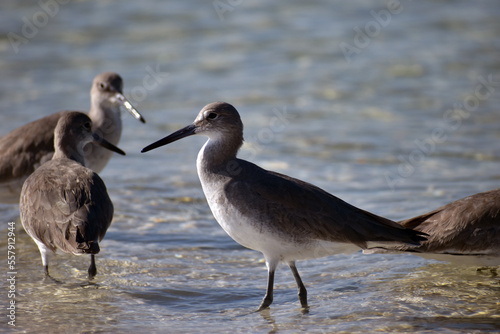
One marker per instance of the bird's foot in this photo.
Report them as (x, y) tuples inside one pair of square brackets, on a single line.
[(266, 302), (52, 279), (493, 270)]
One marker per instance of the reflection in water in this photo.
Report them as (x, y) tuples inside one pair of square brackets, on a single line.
[(165, 264), (266, 315)]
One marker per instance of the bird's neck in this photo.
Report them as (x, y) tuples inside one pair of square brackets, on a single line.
[(67, 152), (219, 156), (106, 122)]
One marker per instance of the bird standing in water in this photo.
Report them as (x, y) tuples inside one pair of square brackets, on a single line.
[(284, 218), (26, 148), (65, 205)]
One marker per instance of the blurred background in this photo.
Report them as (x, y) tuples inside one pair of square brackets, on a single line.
[(389, 105)]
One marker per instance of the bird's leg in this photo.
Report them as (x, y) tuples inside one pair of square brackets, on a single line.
[(268, 298), (92, 267), (47, 275), (45, 260), (300, 285)]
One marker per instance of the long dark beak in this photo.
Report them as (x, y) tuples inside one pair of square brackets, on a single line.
[(130, 108), (106, 144), (184, 132)]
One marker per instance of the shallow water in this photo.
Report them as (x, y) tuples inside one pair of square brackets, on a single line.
[(402, 126)]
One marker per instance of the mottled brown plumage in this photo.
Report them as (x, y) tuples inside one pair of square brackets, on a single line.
[(284, 218), (65, 205)]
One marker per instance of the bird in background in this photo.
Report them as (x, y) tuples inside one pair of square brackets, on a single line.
[(65, 205), (284, 218), (26, 148), (465, 231)]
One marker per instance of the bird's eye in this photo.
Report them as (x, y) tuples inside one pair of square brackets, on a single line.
[(102, 85), (87, 126), (212, 115)]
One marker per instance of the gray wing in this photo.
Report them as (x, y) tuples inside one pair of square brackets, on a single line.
[(468, 225), (302, 210), (27, 147), (66, 206)]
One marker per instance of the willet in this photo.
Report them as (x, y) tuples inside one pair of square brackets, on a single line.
[(284, 218), (27, 147), (65, 205), (464, 231)]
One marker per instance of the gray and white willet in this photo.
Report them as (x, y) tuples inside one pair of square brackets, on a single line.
[(283, 218), (65, 205), (27, 147)]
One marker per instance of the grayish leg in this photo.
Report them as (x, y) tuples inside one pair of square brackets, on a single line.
[(45, 258), (268, 299), (92, 267), (300, 285)]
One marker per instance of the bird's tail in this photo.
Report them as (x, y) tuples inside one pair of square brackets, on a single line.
[(88, 247)]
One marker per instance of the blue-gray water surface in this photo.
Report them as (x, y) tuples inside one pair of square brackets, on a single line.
[(392, 106)]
